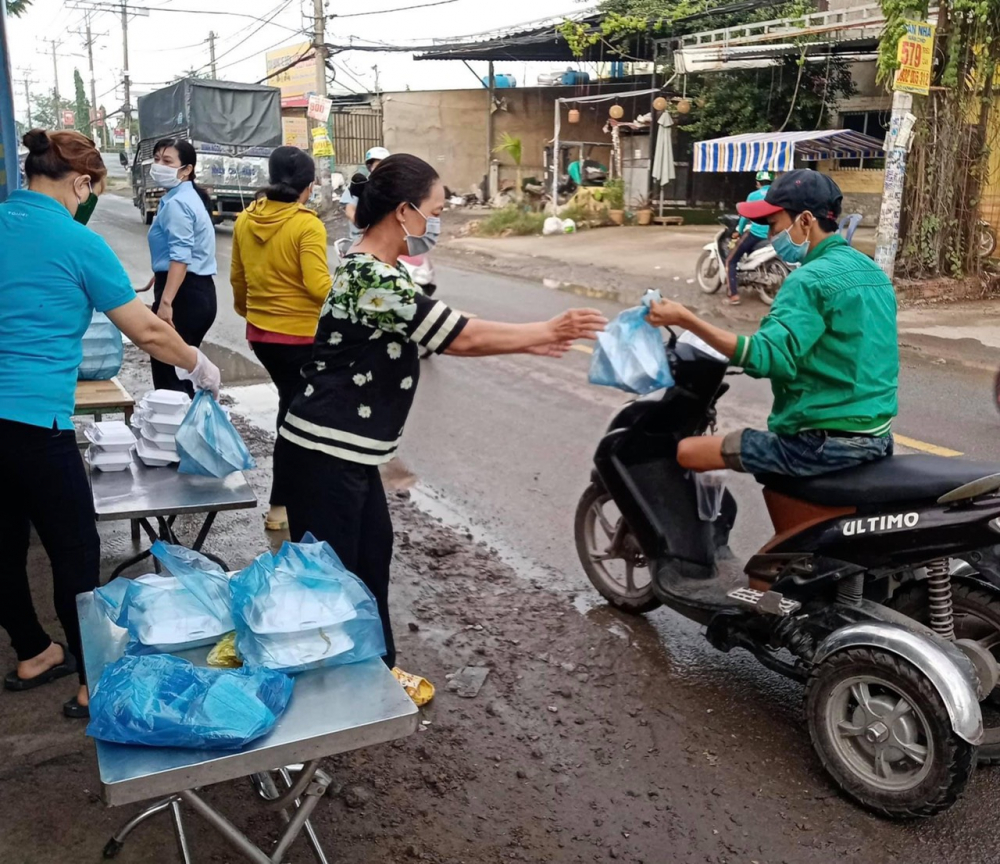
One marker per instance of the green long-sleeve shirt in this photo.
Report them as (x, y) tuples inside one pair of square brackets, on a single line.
[(829, 345)]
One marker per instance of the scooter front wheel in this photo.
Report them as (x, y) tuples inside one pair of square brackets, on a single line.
[(708, 272), (610, 554), (882, 732)]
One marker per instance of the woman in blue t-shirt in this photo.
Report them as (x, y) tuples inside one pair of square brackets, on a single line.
[(54, 273), (182, 251)]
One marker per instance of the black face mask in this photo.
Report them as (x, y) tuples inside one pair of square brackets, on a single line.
[(85, 210)]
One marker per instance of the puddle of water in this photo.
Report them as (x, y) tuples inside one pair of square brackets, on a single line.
[(258, 403)]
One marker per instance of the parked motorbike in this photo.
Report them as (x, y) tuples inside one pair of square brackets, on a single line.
[(880, 589), (762, 270)]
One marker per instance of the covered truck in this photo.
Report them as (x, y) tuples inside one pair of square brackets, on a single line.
[(233, 127)]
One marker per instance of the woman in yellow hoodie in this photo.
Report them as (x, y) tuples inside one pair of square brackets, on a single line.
[(280, 280)]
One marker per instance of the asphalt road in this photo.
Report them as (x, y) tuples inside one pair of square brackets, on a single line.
[(504, 445)]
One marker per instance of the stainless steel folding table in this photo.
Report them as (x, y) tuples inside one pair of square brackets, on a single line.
[(163, 494), (332, 710)]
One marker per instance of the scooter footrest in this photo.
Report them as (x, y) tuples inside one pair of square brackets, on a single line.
[(765, 602)]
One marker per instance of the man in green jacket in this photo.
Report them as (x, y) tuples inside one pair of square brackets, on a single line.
[(828, 345)]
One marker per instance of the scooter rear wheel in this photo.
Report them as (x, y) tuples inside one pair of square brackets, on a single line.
[(977, 617), (611, 556), (708, 272), (882, 732)]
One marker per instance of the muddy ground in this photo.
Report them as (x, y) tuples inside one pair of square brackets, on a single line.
[(588, 741)]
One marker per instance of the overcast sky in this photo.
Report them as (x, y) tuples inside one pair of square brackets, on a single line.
[(172, 39)]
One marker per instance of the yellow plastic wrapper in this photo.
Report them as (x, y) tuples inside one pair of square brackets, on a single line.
[(420, 690), (224, 653)]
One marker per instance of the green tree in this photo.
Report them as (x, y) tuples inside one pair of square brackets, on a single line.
[(192, 73), (949, 157), (45, 113), (785, 96), (81, 104), (17, 7), (792, 94)]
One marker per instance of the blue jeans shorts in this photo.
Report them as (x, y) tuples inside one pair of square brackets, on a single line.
[(803, 455)]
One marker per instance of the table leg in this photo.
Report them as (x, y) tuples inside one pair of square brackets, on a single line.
[(128, 414), (141, 556), (182, 843), (114, 845), (236, 838), (136, 532), (310, 831)]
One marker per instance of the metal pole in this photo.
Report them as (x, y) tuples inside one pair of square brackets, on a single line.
[(211, 52), (490, 91), (10, 174), (555, 160), (887, 234), (55, 86), (127, 107), (319, 44), (93, 89), (27, 96)]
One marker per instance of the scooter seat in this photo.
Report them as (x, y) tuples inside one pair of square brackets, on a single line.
[(889, 480)]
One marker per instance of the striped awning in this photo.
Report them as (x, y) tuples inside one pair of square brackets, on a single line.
[(777, 151)]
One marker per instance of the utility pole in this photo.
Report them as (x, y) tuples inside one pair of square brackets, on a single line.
[(127, 107), (319, 46), (55, 85), (211, 51), (897, 145), (125, 9), (90, 38), (26, 79)]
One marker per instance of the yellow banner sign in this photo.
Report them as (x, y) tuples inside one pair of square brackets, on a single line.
[(296, 79), (322, 145), (295, 132), (916, 58)]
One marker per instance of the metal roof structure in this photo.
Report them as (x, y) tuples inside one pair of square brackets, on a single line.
[(777, 151)]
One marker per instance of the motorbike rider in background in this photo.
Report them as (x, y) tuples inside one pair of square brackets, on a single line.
[(751, 235), (829, 345), (349, 202)]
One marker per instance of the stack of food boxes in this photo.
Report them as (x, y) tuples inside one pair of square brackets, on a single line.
[(111, 444), (157, 420)]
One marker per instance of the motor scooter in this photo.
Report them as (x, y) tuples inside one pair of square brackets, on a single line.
[(762, 270), (879, 590)]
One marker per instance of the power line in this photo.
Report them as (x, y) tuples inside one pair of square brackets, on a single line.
[(397, 9)]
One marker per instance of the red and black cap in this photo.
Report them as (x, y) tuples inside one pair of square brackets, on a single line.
[(797, 191)]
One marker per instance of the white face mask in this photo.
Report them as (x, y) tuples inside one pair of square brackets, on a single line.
[(164, 175)]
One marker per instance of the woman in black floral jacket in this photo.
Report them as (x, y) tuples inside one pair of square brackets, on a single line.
[(349, 416)]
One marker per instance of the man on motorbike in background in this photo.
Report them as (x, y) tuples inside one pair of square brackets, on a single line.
[(749, 241), (828, 345), (372, 158)]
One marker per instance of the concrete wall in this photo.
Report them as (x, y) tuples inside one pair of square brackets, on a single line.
[(862, 188), (448, 128)]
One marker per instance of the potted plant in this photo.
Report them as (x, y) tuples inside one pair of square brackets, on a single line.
[(614, 199), (644, 211)]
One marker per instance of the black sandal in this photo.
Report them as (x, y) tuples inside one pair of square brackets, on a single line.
[(75, 711), (12, 681)]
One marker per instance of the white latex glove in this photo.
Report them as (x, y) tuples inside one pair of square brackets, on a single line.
[(204, 376)]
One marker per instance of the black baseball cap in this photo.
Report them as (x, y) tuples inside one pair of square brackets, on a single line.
[(797, 191)]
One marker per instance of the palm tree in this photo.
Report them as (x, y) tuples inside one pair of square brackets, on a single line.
[(17, 7), (512, 147)]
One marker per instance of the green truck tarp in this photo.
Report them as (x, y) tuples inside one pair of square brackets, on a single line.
[(213, 112)]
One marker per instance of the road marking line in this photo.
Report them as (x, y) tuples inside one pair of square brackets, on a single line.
[(924, 447), (586, 349)]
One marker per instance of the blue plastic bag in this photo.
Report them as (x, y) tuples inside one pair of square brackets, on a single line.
[(186, 609), (163, 701), (630, 353), (208, 443), (300, 609), (103, 350)]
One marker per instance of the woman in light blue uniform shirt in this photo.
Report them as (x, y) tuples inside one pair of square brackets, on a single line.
[(182, 249), (54, 273)]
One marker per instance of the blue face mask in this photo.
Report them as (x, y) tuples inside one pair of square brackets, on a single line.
[(417, 245), (787, 249)]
